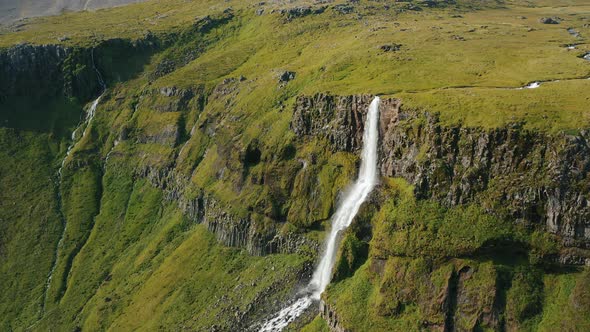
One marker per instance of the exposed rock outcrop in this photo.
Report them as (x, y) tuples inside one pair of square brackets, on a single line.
[(340, 119), (286, 76), (331, 318), (230, 229), (343, 8), (177, 99), (44, 71), (227, 86), (167, 135), (295, 12), (390, 47), (550, 20)]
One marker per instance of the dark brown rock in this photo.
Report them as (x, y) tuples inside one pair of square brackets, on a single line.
[(550, 20), (340, 119), (286, 76), (390, 47), (296, 12)]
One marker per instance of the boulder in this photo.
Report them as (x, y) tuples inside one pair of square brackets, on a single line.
[(390, 47), (296, 12), (286, 76), (343, 9), (550, 20)]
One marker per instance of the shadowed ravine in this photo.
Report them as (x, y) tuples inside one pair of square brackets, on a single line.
[(343, 217)]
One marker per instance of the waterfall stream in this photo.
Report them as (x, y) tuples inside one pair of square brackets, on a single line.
[(83, 125), (89, 116), (353, 199)]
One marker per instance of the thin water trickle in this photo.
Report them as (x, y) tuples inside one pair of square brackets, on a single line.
[(88, 119), (85, 123), (532, 85), (354, 198)]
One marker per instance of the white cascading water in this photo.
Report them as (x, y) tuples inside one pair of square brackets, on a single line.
[(344, 215), (87, 121)]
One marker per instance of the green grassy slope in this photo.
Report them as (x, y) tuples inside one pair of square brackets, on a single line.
[(30, 225), (421, 255), (145, 265), (370, 302)]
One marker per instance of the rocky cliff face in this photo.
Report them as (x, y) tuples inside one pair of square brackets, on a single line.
[(331, 317), (46, 71), (229, 229), (530, 177), (533, 178), (340, 119), (27, 69)]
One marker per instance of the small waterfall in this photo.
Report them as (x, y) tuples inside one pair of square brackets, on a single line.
[(344, 215), (85, 123), (532, 85)]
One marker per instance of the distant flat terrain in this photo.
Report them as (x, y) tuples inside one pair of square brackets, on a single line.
[(12, 10)]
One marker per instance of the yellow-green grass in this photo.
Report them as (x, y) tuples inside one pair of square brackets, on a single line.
[(30, 224), (553, 107), (566, 302), (502, 47), (341, 55), (318, 324), (145, 265)]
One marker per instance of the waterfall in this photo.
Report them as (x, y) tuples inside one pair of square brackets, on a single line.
[(344, 215), (353, 200), (87, 119), (84, 123)]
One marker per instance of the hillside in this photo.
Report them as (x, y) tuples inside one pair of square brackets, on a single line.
[(13, 10), (176, 164)]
